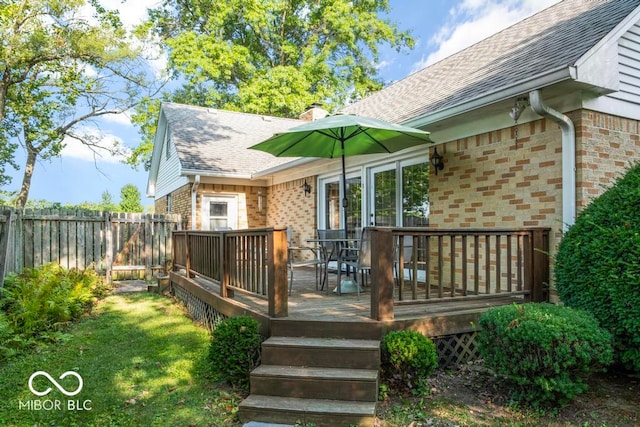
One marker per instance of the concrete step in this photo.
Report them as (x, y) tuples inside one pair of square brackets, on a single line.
[(318, 412), (314, 382), (321, 352)]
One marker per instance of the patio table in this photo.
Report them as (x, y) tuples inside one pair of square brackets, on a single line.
[(338, 244)]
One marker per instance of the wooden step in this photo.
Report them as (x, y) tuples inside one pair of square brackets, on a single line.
[(364, 329), (317, 412), (321, 352), (313, 382)]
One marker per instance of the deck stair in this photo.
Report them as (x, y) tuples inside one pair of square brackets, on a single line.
[(314, 379)]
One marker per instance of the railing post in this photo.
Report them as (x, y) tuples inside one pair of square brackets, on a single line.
[(277, 266), (187, 263), (540, 267), (225, 263), (382, 274)]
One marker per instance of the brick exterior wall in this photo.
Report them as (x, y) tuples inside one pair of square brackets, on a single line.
[(248, 214), (488, 181), (160, 205), (288, 207), (608, 145)]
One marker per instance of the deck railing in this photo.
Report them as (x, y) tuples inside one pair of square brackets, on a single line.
[(251, 261), (436, 265), (409, 265)]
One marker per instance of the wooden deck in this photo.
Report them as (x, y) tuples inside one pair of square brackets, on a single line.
[(306, 304)]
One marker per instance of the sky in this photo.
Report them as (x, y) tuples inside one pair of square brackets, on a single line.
[(439, 27)]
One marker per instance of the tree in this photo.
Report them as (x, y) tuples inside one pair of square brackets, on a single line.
[(270, 57), (60, 70), (130, 199), (106, 203)]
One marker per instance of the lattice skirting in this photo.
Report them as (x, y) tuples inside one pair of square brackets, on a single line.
[(456, 349), (199, 310)]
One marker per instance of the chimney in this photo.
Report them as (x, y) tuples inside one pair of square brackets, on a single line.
[(314, 112)]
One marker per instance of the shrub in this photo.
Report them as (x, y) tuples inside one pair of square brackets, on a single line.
[(235, 349), (597, 268), (408, 358), (46, 298), (545, 351)]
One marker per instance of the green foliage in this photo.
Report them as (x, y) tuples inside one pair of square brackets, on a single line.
[(47, 298), (544, 351), (408, 358), (64, 64), (269, 57), (235, 349), (130, 199), (597, 266)]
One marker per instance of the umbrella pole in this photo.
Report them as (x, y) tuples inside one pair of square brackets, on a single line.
[(345, 201)]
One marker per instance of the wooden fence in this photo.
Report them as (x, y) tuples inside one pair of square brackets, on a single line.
[(116, 244)]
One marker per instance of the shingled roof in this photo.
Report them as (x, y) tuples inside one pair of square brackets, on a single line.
[(215, 141), (554, 38)]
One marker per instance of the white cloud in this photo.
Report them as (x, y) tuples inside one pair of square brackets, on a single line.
[(132, 12), (107, 148), (474, 20)]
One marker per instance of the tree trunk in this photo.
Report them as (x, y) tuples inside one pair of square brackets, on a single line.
[(26, 179)]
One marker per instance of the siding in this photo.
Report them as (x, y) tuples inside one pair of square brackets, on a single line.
[(629, 66), (169, 170)]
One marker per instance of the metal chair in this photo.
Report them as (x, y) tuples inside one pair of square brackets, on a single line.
[(329, 250), (357, 258), (301, 257)]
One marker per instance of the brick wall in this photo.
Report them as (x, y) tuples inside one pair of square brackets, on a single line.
[(607, 146), (160, 206), (288, 207), (248, 214), (181, 204), (488, 181)]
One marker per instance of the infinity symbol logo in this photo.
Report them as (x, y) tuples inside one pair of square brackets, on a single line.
[(55, 383)]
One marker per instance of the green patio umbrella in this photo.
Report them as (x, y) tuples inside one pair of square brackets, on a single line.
[(342, 135)]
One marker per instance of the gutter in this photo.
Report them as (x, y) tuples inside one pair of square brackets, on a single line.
[(194, 192), (568, 156)]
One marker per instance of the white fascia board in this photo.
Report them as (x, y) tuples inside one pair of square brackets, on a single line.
[(283, 167), (517, 89), (208, 173), (223, 178), (156, 153)]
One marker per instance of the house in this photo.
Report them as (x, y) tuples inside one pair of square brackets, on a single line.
[(531, 123)]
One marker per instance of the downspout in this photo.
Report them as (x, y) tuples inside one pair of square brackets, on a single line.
[(568, 156), (194, 193)]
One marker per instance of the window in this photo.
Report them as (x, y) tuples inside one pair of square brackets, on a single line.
[(219, 212)]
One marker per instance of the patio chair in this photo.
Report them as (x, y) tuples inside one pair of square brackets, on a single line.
[(357, 259), (303, 257), (329, 250)]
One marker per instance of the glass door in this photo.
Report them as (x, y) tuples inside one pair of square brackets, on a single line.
[(383, 202), (331, 209)]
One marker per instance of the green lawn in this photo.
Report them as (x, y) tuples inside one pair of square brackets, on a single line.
[(142, 362)]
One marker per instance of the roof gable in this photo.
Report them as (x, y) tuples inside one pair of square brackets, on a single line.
[(555, 38)]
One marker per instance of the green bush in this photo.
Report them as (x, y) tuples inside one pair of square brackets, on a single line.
[(235, 349), (47, 298), (597, 266), (408, 358), (544, 351)]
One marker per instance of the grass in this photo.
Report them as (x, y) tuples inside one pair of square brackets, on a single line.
[(142, 362)]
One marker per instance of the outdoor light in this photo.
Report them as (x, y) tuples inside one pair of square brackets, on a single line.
[(436, 161), (306, 187)]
